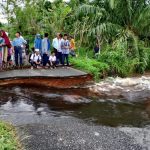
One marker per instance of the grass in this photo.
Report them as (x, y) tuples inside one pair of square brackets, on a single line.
[(85, 61), (8, 140), (91, 66), (111, 62)]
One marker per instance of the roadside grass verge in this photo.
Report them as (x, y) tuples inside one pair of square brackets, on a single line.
[(112, 62), (91, 66), (8, 138)]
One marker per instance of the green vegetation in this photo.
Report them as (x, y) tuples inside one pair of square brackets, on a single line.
[(112, 62), (120, 27), (96, 68), (8, 140)]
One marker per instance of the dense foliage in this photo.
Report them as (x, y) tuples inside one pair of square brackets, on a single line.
[(121, 28)]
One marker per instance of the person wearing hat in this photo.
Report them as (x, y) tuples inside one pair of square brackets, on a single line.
[(35, 59)]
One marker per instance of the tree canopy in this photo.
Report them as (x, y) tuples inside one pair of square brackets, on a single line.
[(112, 21)]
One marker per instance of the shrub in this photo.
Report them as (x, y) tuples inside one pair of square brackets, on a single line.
[(144, 60), (113, 61), (119, 62), (91, 66)]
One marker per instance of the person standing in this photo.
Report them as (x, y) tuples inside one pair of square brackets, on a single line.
[(10, 58), (17, 47), (72, 47), (45, 49), (24, 56), (57, 48), (6, 46), (65, 45), (38, 43), (59, 51), (96, 50), (1, 49), (55, 43)]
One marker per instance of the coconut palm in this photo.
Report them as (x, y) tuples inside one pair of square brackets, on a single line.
[(118, 21)]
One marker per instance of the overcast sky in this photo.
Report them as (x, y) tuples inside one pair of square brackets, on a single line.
[(4, 20)]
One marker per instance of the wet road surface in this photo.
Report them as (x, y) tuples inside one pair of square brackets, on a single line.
[(75, 120)]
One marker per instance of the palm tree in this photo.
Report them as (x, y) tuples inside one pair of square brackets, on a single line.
[(118, 22)]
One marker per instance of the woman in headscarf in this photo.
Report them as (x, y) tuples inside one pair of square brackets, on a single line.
[(7, 45), (1, 52), (38, 43)]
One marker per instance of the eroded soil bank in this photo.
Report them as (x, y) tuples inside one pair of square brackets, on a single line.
[(56, 78)]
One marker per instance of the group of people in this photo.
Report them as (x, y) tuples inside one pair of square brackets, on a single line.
[(43, 53), (63, 45), (10, 51)]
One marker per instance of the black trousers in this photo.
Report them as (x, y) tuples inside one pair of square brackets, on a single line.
[(52, 64), (33, 64), (65, 57), (58, 56), (18, 53), (45, 59)]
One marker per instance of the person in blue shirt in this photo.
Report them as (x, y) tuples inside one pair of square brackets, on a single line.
[(17, 44), (38, 43), (45, 49)]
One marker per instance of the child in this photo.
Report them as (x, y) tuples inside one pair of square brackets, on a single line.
[(65, 45), (1, 53), (52, 60), (35, 59), (10, 57), (72, 47)]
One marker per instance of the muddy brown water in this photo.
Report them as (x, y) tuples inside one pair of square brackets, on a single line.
[(78, 103)]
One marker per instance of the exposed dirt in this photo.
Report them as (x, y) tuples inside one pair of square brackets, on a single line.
[(66, 82)]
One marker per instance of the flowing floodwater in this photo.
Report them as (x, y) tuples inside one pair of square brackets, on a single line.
[(75, 119), (78, 103)]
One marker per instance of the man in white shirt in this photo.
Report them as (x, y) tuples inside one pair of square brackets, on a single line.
[(52, 60), (55, 42), (35, 59), (57, 48)]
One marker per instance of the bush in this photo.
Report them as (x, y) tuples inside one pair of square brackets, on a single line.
[(119, 62), (144, 60), (113, 62), (92, 66)]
